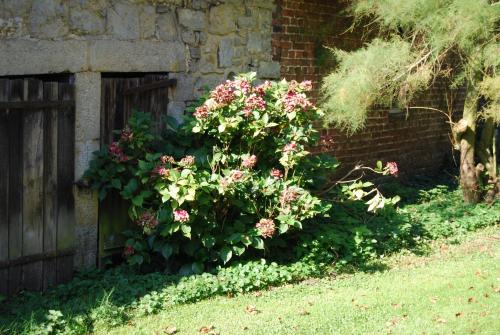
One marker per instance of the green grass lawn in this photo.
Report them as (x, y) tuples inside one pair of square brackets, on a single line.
[(455, 290)]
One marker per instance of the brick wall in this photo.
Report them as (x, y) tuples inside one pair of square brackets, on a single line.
[(419, 141)]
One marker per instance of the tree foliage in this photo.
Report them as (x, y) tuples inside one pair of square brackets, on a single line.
[(420, 35)]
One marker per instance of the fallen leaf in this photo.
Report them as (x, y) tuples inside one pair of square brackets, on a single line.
[(496, 289), (258, 294), (471, 300), (304, 312), (207, 329), (483, 314), (170, 330), (397, 306), (479, 274), (245, 328), (251, 309), (459, 314), (471, 288), (440, 320), (310, 303), (433, 300), (486, 295)]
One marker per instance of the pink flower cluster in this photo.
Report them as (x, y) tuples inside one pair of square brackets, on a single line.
[(241, 84), (261, 89), (306, 85), (249, 162), (127, 135), (289, 195), (167, 159), (293, 101), (393, 168), (117, 152), (181, 215), (128, 251), (147, 220), (201, 112), (236, 175), (223, 94), (187, 161), (254, 102), (276, 173), (161, 171), (290, 147), (266, 227)]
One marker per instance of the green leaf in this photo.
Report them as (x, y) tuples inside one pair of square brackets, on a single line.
[(379, 165), (186, 230), (116, 183), (166, 251), (225, 254), (257, 243), (197, 268), (208, 241), (283, 228), (238, 250), (196, 129)]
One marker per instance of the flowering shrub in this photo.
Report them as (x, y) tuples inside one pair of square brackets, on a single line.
[(235, 176)]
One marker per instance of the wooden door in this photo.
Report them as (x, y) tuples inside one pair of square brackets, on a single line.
[(121, 95), (36, 183)]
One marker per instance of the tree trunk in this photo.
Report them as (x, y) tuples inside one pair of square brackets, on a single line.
[(469, 180)]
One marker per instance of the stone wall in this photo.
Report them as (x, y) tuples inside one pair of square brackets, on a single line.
[(198, 42), (418, 141)]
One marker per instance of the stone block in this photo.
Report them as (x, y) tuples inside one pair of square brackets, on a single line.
[(139, 56), (176, 110), (223, 19), (254, 44), (87, 106), (49, 19), (84, 21), (167, 26), (123, 21), (184, 90), (189, 37), (225, 52), (191, 19), (269, 70), (147, 19), (18, 57)]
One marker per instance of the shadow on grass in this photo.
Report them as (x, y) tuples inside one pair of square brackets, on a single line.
[(351, 240)]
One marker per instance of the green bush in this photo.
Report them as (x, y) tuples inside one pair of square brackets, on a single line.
[(234, 176)]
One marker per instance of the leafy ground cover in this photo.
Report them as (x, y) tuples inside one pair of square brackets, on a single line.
[(456, 290), (352, 241)]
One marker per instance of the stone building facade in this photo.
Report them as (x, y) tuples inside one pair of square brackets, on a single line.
[(199, 43)]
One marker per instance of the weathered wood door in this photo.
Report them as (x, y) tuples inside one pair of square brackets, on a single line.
[(121, 95), (36, 183)]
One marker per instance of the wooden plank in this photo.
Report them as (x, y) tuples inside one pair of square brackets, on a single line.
[(4, 189), (16, 91), (65, 180), (33, 186), (49, 255), (50, 92), (150, 86), (26, 105)]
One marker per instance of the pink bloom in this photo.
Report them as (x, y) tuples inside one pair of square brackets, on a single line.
[(147, 220), (117, 152), (201, 112), (161, 171), (128, 250), (223, 94), (167, 159), (276, 173), (236, 175), (241, 84), (266, 227), (393, 168), (254, 102), (290, 147), (261, 89), (181, 215), (249, 162), (187, 161), (293, 101), (289, 195), (224, 182), (306, 85), (293, 85), (126, 135)]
